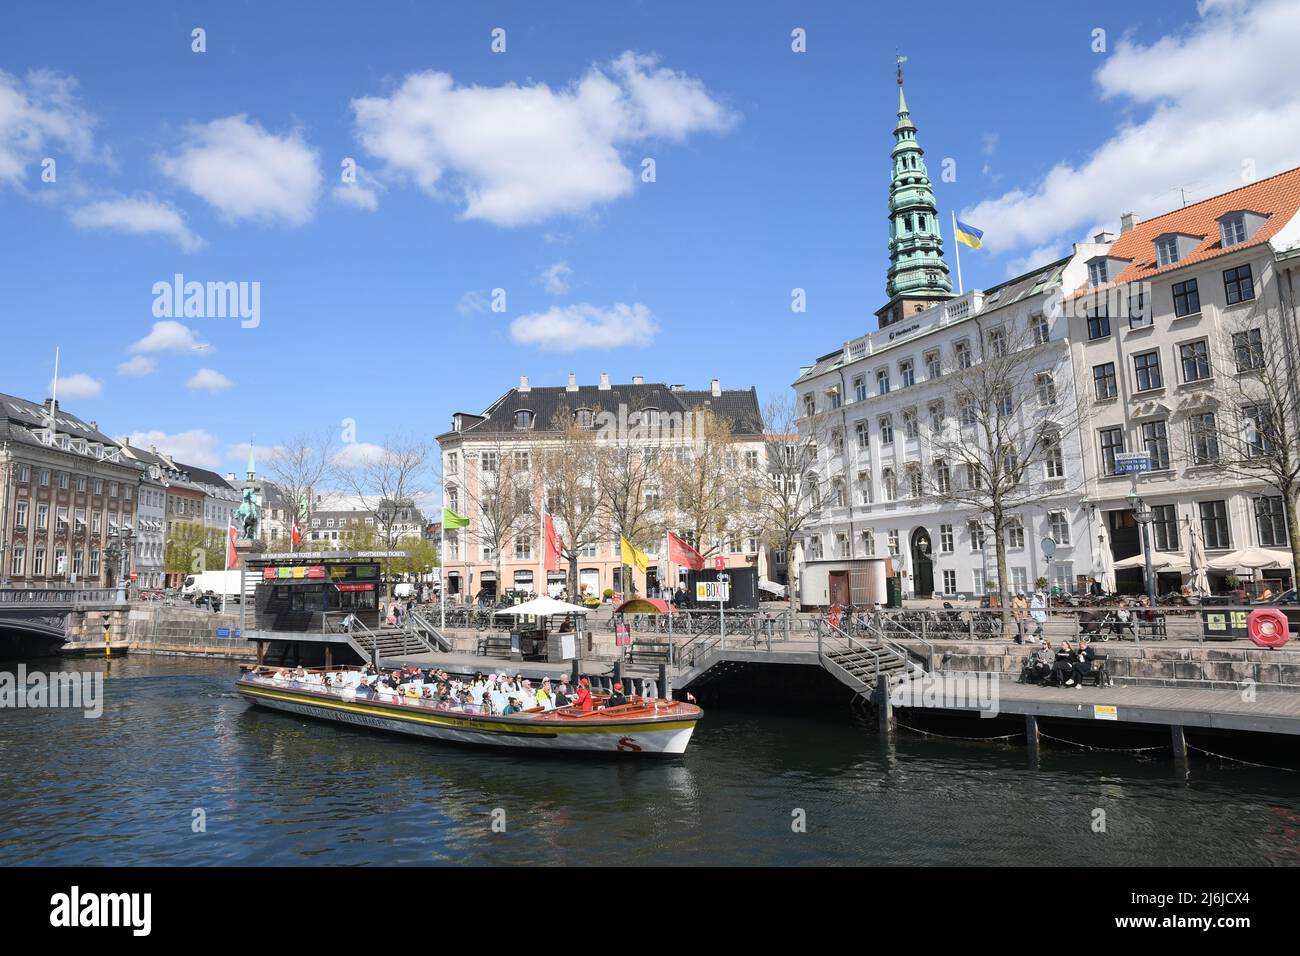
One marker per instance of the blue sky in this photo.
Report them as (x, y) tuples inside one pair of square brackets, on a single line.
[(771, 174)]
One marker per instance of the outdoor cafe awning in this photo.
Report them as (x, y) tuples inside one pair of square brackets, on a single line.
[(1252, 559), (1160, 561), (642, 605)]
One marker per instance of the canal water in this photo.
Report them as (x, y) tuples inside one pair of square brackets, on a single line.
[(176, 746)]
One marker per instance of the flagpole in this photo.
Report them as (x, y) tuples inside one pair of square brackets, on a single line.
[(442, 573), (956, 246), (541, 556)]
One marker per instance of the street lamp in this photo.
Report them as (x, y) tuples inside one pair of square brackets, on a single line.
[(1142, 512), (123, 537)]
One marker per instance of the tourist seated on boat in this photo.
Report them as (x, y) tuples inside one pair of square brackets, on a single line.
[(616, 698), (563, 693), (511, 707), (543, 698), (487, 708)]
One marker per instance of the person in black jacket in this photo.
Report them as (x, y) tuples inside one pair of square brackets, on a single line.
[(616, 698), (1083, 662), (1062, 674)]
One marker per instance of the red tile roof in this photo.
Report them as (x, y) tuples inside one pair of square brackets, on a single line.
[(1277, 197)]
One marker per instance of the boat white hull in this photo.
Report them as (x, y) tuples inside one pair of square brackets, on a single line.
[(647, 737)]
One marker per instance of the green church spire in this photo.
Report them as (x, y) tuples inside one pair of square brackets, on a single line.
[(918, 274)]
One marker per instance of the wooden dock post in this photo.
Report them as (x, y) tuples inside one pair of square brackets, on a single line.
[(884, 709), (1031, 735), (665, 683), (1179, 740)]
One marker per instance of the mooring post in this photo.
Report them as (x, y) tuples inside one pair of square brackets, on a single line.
[(665, 683), (1031, 735), (577, 671), (1179, 741), (884, 709), (618, 670)]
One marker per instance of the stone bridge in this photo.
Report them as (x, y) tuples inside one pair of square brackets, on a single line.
[(36, 621)]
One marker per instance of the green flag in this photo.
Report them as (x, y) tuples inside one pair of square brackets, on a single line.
[(451, 521)]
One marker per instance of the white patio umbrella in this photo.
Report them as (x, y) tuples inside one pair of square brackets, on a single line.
[(1252, 559), (1105, 563), (762, 561), (1200, 581), (542, 607), (1160, 561)]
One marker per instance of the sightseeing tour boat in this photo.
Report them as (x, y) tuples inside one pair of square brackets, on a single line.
[(642, 725)]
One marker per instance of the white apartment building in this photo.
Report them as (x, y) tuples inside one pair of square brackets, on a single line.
[(874, 407)]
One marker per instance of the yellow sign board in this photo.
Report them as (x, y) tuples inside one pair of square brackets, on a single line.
[(1105, 712)]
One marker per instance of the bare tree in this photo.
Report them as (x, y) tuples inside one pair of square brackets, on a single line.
[(1003, 451), (628, 488), (499, 491), (775, 490), (1253, 434), (706, 484), (298, 468), (568, 458), (386, 485)]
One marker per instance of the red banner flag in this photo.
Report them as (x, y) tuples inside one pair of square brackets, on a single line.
[(679, 552), (295, 536), (232, 556), (552, 546)]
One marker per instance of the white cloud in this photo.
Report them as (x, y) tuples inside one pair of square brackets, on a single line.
[(208, 380), (140, 216), (247, 173), (363, 193), (573, 327), (168, 336), (357, 453), (195, 447), (1202, 127), (520, 154), (78, 386), (138, 367), (555, 278), (36, 114)]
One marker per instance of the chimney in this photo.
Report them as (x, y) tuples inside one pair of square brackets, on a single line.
[(94, 425), (573, 383), (638, 380), (1127, 221), (604, 381), (1103, 237), (523, 383), (230, 476), (716, 388), (153, 449)]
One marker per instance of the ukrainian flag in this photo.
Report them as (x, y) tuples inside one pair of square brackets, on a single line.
[(969, 234)]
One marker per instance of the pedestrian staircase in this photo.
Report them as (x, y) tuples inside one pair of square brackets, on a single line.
[(861, 662), (388, 641)]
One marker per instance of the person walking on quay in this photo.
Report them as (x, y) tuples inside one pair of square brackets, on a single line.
[(1038, 611), (1019, 607)]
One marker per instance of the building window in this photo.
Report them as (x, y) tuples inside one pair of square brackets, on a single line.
[(20, 557), (1138, 313), (45, 477), (1146, 367), (1260, 435), (1112, 443), (886, 429), (1059, 524), (20, 514), (1053, 457), (942, 477), (1098, 273), (860, 388), (1204, 438), (868, 544), (834, 395), (911, 429), (864, 435), (1238, 285), (1248, 350), (998, 343), (864, 487), (1270, 522), (38, 562), (907, 372), (1196, 360), (936, 417), (963, 354), (1155, 440), (842, 545), (1214, 525), (1187, 299), (933, 367), (949, 582), (78, 561), (64, 482), (81, 483), (1164, 525), (882, 381), (1098, 322), (1103, 380), (893, 543), (889, 484), (1166, 250), (1015, 532), (810, 405), (489, 460), (914, 485), (1046, 389), (1232, 229), (976, 532), (584, 417), (945, 539), (966, 411), (94, 562), (1039, 328)]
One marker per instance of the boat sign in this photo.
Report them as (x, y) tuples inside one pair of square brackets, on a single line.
[(1132, 462), (713, 591)]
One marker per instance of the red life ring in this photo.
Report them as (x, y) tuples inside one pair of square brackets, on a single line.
[(1268, 627)]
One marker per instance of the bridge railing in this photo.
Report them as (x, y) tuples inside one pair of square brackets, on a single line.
[(56, 597)]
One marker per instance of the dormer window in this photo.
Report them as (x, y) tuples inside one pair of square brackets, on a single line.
[(1098, 273), (583, 417), (1167, 250), (523, 419), (651, 417), (1232, 229)]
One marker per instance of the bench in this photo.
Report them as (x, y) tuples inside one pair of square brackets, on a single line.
[(1099, 676), (649, 652), (493, 645)]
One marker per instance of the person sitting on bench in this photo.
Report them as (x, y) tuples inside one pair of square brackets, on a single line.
[(1062, 673), (1042, 662), (1083, 663)]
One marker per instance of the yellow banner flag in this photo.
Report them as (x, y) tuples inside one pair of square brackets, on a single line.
[(633, 556)]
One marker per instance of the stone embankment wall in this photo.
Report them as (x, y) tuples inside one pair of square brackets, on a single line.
[(182, 630)]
